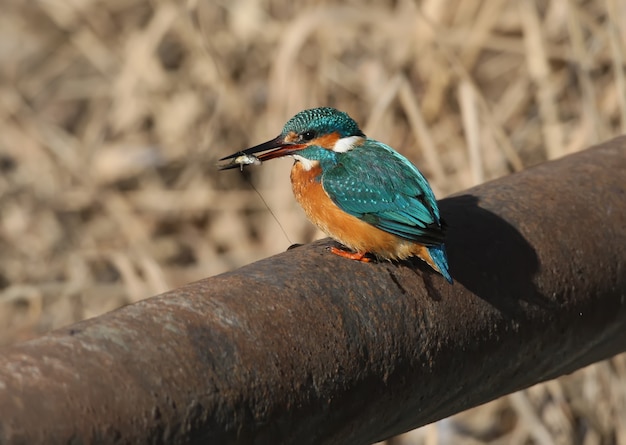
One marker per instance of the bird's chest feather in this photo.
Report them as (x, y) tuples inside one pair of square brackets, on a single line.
[(323, 212), (307, 188), (319, 208), (340, 225)]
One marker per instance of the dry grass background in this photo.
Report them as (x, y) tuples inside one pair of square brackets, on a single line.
[(113, 113)]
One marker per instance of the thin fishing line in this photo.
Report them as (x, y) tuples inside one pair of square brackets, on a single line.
[(269, 209)]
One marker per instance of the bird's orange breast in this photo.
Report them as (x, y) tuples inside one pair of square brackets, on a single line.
[(343, 227)]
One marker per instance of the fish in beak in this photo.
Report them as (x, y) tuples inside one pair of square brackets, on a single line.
[(275, 148)]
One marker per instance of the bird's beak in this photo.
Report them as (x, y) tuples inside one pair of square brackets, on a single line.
[(275, 148)]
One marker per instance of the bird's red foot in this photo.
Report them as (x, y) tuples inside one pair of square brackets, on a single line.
[(358, 256)]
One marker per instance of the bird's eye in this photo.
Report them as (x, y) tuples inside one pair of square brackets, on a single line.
[(308, 135)]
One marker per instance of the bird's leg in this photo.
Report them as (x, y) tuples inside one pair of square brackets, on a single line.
[(358, 256)]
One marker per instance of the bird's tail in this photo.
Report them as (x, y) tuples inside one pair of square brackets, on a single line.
[(440, 260)]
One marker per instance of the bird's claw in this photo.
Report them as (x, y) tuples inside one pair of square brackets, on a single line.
[(358, 256)]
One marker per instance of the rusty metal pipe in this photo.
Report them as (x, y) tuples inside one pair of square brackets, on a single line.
[(307, 347)]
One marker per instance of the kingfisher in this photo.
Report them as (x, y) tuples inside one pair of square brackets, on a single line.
[(360, 192)]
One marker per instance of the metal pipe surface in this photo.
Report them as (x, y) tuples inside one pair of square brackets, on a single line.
[(307, 347)]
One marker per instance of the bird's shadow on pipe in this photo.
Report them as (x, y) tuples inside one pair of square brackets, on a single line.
[(489, 256)]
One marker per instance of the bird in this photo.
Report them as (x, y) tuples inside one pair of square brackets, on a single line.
[(357, 190)]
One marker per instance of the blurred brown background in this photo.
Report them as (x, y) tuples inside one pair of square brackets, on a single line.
[(113, 114)]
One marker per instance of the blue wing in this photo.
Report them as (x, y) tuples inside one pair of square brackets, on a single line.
[(381, 187)]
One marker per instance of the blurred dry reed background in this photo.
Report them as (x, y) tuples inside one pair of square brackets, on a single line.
[(113, 113)]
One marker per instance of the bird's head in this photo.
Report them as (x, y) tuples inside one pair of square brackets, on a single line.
[(311, 136)]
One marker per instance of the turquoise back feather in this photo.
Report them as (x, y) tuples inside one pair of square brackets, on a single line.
[(381, 187)]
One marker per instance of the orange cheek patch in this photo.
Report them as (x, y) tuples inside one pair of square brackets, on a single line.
[(326, 141), (291, 137)]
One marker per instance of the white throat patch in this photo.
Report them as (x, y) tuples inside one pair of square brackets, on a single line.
[(307, 164), (346, 144)]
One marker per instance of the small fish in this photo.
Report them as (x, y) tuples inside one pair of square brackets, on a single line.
[(240, 161)]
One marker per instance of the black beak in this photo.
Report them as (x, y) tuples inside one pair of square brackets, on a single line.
[(275, 148)]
